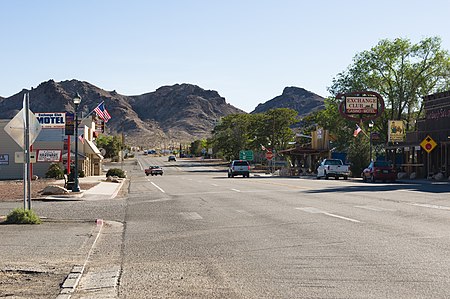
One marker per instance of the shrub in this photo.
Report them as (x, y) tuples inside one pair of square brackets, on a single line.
[(55, 172), (22, 216), (116, 172)]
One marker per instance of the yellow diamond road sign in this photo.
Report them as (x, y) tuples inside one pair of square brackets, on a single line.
[(428, 144)]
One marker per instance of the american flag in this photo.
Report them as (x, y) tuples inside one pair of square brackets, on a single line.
[(356, 132), (102, 112)]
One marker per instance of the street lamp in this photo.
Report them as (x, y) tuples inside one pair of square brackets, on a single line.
[(76, 186)]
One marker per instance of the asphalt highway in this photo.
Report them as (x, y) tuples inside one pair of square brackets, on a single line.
[(195, 233)]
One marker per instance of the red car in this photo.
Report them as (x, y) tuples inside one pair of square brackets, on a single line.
[(379, 170)]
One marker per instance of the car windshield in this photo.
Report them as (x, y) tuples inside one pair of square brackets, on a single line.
[(333, 162), (382, 164), (240, 163)]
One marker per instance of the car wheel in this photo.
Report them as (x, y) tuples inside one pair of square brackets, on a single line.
[(146, 174)]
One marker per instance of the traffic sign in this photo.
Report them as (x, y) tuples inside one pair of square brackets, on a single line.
[(269, 155), (246, 155), (428, 144)]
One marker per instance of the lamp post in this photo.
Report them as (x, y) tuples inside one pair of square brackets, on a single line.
[(76, 186), (370, 140)]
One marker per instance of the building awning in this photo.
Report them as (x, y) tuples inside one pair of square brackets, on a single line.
[(91, 148), (72, 156)]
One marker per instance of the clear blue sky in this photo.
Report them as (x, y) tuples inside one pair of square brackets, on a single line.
[(248, 51)]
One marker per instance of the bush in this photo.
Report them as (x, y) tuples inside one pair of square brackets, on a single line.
[(55, 172), (22, 216), (116, 172)]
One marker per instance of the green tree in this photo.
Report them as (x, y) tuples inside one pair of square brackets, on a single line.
[(111, 144), (249, 131), (402, 72), (232, 134)]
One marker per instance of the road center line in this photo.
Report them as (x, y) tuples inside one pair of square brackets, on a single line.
[(236, 190), (373, 208), (431, 206), (159, 188), (317, 211)]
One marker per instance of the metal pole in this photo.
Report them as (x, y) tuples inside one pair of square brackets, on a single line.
[(27, 146), (76, 187)]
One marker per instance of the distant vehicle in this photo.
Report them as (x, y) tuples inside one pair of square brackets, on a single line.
[(154, 170), (379, 170), (333, 168), (151, 152), (239, 167), (172, 158)]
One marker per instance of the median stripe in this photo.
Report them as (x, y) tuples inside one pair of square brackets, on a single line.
[(317, 211)]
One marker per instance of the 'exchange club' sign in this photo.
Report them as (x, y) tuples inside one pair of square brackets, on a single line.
[(361, 105), (52, 120)]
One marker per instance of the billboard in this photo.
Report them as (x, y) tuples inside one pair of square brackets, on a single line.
[(396, 131), (52, 120)]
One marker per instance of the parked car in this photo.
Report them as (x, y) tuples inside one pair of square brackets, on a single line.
[(154, 170), (239, 167), (333, 168), (379, 171), (172, 158)]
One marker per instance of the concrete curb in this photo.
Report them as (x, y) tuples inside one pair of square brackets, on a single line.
[(73, 278), (118, 189)]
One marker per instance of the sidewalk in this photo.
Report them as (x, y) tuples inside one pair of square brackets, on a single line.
[(103, 190), (37, 259)]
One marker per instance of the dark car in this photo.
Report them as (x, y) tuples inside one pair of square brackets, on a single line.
[(379, 171), (172, 158)]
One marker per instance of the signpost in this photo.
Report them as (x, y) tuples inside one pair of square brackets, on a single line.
[(428, 144), (24, 129)]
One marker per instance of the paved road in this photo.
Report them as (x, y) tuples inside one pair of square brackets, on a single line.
[(195, 233)]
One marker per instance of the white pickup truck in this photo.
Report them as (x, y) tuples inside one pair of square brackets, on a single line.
[(333, 168)]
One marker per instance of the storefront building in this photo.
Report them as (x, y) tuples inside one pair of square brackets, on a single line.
[(53, 141)]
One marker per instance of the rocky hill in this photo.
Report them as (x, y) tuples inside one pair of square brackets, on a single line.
[(298, 99), (174, 114)]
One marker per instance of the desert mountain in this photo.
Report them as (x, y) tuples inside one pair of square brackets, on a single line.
[(171, 114), (298, 99)]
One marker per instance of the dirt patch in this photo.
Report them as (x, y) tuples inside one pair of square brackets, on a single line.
[(29, 284), (13, 190)]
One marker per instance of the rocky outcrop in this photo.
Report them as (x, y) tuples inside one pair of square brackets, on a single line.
[(298, 99)]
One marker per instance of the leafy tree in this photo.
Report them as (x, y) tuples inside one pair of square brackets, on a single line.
[(249, 131), (401, 72), (232, 135), (197, 146), (111, 144)]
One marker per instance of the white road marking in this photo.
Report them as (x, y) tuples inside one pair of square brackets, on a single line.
[(215, 185), (159, 188), (317, 211), (373, 208), (236, 190), (191, 216), (431, 206), (245, 213)]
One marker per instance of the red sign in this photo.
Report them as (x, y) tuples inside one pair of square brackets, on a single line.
[(269, 155)]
